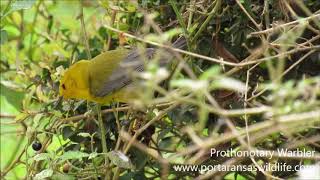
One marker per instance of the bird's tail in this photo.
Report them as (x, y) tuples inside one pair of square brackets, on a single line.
[(168, 56), (180, 43)]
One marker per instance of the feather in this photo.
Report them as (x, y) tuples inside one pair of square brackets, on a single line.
[(116, 75)]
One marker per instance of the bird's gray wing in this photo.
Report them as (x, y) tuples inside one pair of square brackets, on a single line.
[(120, 76)]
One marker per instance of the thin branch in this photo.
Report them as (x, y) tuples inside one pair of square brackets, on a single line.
[(106, 111), (275, 28), (249, 16), (84, 32), (209, 58), (283, 74), (103, 140)]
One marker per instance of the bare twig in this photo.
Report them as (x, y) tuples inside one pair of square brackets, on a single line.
[(84, 32), (275, 28)]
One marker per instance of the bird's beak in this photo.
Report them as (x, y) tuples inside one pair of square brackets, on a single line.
[(63, 97), (62, 93)]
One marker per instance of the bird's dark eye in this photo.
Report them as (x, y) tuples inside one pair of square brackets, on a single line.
[(63, 86)]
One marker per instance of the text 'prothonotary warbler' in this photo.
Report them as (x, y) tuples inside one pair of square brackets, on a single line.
[(106, 78)]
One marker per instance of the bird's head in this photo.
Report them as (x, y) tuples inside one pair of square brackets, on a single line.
[(74, 83)]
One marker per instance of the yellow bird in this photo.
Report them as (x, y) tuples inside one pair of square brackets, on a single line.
[(106, 77)]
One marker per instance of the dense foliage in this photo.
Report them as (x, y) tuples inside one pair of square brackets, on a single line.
[(248, 81)]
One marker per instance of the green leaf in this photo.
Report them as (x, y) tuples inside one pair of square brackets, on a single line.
[(59, 176), (44, 174), (234, 175), (104, 4), (131, 7), (166, 36), (193, 85), (11, 31), (18, 5), (120, 159), (210, 73), (13, 97), (183, 114), (41, 157), (163, 133), (133, 175), (22, 4), (73, 155), (165, 143), (30, 132), (67, 132), (3, 36), (37, 119), (84, 134), (228, 83), (103, 32), (138, 158), (21, 117), (93, 155)]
